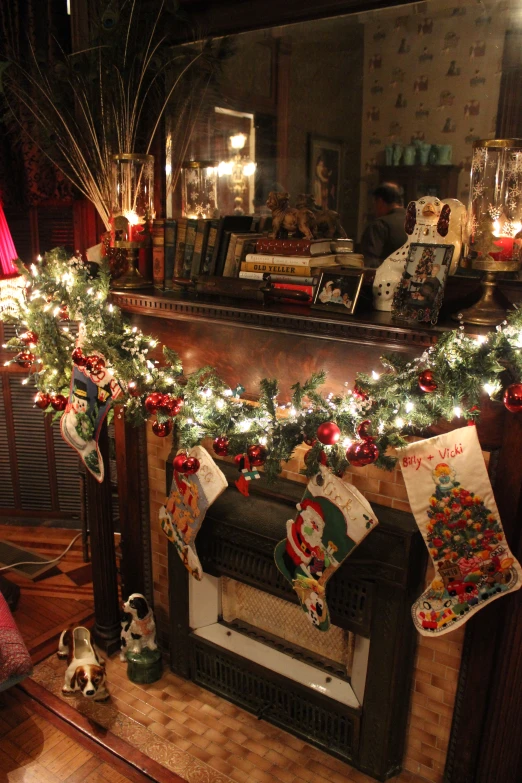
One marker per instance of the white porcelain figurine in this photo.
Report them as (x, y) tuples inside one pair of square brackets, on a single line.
[(85, 669), (429, 220)]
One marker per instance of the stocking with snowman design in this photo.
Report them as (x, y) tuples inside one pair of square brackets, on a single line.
[(452, 500), (333, 519)]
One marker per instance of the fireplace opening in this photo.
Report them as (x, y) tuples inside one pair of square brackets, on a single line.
[(241, 633)]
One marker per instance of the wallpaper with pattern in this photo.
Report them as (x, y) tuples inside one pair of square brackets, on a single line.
[(432, 72)]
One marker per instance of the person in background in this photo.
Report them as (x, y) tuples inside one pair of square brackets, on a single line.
[(386, 233)]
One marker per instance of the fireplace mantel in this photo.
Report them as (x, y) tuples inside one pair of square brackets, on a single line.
[(248, 342)]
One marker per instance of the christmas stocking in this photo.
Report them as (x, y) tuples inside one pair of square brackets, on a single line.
[(333, 519), (453, 504), (185, 509), (90, 397)]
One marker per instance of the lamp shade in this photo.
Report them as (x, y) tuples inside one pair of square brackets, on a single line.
[(7, 249)]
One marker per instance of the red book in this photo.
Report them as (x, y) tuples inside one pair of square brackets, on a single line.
[(158, 253), (308, 289)]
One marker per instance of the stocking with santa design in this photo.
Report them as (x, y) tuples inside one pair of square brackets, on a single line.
[(333, 519), (184, 511), (452, 500)]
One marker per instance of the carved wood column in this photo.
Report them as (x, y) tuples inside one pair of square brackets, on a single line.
[(107, 625), (133, 496)]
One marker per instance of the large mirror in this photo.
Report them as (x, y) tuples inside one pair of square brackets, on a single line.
[(334, 107)]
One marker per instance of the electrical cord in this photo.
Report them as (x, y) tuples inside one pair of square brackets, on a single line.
[(41, 562)]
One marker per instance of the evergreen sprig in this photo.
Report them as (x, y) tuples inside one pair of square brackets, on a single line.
[(396, 406)]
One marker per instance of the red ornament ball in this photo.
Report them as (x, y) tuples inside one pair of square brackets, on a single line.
[(190, 466), (427, 382), (179, 462), (58, 402), (162, 429), (42, 400), (256, 455), (171, 405), (323, 459), (24, 359), (29, 337), (220, 446), (153, 402), (328, 433), (513, 398), (362, 453), (63, 313), (363, 429), (132, 389), (78, 358)]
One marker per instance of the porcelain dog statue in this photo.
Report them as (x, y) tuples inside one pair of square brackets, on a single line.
[(85, 669), (431, 221), (138, 629)]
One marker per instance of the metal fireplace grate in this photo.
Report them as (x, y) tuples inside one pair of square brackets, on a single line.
[(316, 719)]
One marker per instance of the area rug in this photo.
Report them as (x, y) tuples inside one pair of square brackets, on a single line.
[(11, 553), (197, 735)]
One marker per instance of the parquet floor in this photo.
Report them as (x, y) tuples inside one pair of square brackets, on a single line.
[(63, 595)]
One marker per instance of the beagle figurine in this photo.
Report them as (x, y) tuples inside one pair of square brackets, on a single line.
[(85, 669)]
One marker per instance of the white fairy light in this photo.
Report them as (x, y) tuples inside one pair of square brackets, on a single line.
[(90, 291), (56, 311), (134, 329), (190, 421), (24, 382), (111, 308), (481, 339), (292, 411), (227, 393), (153, 343), (490, 388), (99, 295), (399, 422), (409, 406), (150, 364), (457, 411), (244, 425), (380, 428), (375, 375), (347, 442), (65, 328), (148, 378), (220, 404), (263, 441)]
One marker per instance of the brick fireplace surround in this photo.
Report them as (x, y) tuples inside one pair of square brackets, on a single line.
[(437, 661)]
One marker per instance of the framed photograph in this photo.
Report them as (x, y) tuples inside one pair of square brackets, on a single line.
[(338, 292), (421, 290), (325, 171)]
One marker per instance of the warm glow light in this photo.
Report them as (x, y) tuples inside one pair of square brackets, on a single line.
[(457, 411), (249, 168), (238, 141), (375, 375), (132, 217), (224, 168)]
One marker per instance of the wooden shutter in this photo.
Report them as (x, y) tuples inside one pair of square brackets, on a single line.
[(67, 474), (55, 227), (6, 478)]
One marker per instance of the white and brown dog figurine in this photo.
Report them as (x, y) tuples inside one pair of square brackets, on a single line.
[(138, 629), (85, 669)]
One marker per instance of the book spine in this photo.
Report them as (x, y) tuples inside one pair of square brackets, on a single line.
[(209, 251), (179, 255), (170, 249), (283, 247), (190, 241), (308, 289), (273, 268), (301, 279), (158, 253), (262, 258), (229, 268), (199, 242)]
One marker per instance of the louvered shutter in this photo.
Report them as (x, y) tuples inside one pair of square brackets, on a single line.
[(20, 227), (6, 479), (55, 228), (67, 474), (31, 448)]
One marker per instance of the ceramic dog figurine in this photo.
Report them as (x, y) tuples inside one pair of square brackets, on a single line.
[(85, 669), (429, 220), (138, 629)]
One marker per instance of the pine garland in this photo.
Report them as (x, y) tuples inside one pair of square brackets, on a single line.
[(393, 402)]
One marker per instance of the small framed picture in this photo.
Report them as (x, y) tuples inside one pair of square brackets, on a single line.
[(338, 292), (420, 293), (325, 171)]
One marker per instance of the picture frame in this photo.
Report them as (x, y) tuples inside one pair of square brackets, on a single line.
[(419, 295), (325, 160), (338, 291)]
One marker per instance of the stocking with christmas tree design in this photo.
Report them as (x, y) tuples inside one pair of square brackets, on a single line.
[(333, 519), (190, 496), (452, 500)]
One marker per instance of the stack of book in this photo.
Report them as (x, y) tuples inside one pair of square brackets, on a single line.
[(187, 247), (296, 263)]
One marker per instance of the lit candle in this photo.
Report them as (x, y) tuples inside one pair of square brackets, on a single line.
[(505, 245), (134, 220)]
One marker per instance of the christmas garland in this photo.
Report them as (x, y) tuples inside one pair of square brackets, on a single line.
[(358, 427)]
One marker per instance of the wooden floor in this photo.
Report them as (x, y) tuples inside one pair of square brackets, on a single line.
[(61, 598), (34, 749)]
